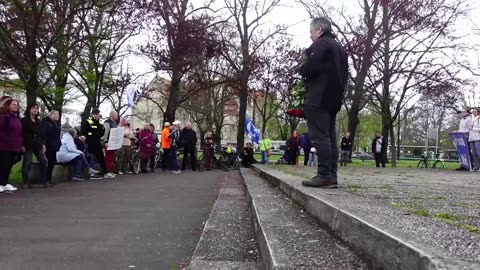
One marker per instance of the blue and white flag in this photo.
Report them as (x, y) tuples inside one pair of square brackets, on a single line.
[(251, 131)]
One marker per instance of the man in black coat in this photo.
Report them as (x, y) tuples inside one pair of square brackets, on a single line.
[(189, 141), (325, 72)]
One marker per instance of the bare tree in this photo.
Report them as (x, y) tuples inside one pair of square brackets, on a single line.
[(247, 18), (29, 30)]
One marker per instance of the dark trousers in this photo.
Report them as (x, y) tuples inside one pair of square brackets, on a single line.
[(27, 166), (306, 151), (7, 160), (193, 158), (165, 159), (322, 130), (52, 160), (173, 164), (379, 160), (152, 162), (79, 163), (143, 164), (97, 152), (292, 157)]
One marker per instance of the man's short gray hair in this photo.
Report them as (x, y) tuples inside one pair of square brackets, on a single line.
[(321, 23)]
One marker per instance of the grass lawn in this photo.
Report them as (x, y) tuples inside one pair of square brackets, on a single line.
[(371, 163)]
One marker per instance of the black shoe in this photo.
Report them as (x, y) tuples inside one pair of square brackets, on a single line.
[(143, 171), (460, 169), (321, 182), (27, 186)]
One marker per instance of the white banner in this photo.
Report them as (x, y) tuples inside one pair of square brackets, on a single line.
[(115, 141)]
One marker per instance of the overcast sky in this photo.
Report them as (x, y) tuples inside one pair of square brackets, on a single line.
[(293, 14)]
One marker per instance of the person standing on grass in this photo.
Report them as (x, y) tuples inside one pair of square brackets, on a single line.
[(474, 138), (189, 141), (166, 145), (325, 72), (345, 149), (293, 148), (464, 127), (377, 150), (265, 148), (306, 145), (34, 143), (312, 161), (110, 123), (51, 132), (11, 143)]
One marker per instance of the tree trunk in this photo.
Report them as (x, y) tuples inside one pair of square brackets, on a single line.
[(385, 135), (171, 109), (243, 97), (398, 138), (392, 146)]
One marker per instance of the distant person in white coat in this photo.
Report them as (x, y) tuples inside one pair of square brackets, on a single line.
[(464, 127), (465, 122), (474, 139)]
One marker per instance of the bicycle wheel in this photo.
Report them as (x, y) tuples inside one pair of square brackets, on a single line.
[(230, 163), (439, 164), (136, 164), (422, 164)]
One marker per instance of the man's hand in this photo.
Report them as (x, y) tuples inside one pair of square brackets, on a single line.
[(23, 149), (44, 149), (106, 145)]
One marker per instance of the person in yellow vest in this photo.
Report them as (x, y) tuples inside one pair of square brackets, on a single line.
[(265, 148), (93, 130)]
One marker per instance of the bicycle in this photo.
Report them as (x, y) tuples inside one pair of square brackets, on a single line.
[(136, 160), (426, 163), (229, 159)]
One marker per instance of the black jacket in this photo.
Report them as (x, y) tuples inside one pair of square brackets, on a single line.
[(346, 144), (51, 132), (33, 139), (93, 130), (189, 138), (325, 73)]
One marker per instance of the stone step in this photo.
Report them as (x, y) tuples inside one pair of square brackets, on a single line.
[(288, 238), (383, 235), (228, 240)]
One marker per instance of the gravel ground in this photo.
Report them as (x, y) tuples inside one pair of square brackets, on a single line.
[(438, 208)]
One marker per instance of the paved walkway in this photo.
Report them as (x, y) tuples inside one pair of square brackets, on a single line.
[(151, 221)]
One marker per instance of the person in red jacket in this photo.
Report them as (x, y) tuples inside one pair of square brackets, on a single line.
[(147, 145), (11, 144)]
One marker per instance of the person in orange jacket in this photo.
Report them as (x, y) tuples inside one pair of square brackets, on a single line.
[(165, 145)]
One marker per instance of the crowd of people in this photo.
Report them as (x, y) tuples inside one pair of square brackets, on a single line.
[(87, 146)]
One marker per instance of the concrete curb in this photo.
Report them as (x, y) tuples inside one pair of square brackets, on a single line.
[(383, 248), (288, 238), (219, 234)]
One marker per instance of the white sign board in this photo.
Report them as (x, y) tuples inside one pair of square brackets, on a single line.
[(115, 141)]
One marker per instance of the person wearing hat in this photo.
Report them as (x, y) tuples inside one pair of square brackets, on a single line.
[(174, 145), (165, 145), (93, 130)]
